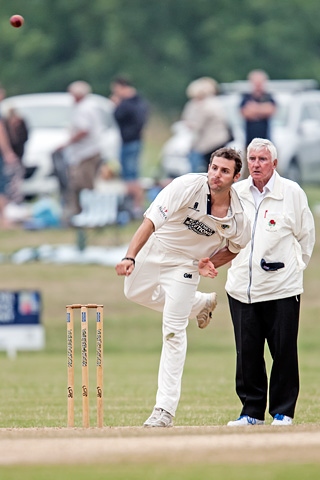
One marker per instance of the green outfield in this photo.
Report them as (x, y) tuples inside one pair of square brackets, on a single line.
[(33, 385), (161, 472)]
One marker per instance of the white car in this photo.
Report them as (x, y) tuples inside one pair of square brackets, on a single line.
[(48, 116), (295, 130)]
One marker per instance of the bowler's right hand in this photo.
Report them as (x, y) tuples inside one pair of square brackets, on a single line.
[(125, 267)]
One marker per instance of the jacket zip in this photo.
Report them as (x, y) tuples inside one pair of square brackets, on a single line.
[(251, 253)]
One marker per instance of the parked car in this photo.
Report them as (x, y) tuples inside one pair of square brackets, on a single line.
[(295, 129), (48, 116)]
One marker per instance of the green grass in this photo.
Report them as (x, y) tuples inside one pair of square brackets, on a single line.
[(33, 385), (35, 382), (164, 472)]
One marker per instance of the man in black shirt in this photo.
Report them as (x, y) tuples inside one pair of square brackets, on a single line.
[(257, 107), (131, 113)]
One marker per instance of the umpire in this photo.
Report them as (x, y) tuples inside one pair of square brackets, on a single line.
[(264, 285)]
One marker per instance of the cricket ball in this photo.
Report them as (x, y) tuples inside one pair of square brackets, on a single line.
[(17, 21)]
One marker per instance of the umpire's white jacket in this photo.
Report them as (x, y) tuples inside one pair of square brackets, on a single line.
[(282, 231)]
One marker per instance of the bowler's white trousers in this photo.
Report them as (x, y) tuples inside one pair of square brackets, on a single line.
[(167, 281)]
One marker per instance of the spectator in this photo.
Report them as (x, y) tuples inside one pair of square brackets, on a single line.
[(17, 132), (264, 285), (82, 149), (195, 220), (8, 162), (131, 114), (257, 107), (205, 116)]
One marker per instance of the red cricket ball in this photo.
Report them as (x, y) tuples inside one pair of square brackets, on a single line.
[(17, 21)]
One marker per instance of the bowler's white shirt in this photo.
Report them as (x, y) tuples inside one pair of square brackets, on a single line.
[(182, 224)]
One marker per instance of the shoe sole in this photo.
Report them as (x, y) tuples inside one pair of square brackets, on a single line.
[(214, 303), (281, 424), (244, 424)]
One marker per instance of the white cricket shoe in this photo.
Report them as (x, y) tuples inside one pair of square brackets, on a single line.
[(159, 418), (245, 420), (280, 419), (204, 317)]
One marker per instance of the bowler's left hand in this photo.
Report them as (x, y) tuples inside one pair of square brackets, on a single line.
[(206, 268)]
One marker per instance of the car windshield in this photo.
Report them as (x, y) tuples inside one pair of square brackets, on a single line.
[(46, 116)]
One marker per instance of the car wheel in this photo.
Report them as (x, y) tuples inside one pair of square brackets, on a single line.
[(294, 172)]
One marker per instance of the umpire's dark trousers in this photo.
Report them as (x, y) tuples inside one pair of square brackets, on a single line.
[(277, 322)]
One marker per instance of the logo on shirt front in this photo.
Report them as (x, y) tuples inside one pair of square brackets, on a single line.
[(198, 227), (195, 207)]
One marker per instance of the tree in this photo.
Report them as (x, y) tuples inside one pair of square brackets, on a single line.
[(162, 46)]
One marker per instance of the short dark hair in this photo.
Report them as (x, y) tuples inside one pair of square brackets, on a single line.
[(229, 154), (123, 81)]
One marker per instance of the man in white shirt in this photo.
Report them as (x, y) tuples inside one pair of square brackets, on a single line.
[(264, 285), (82, 148), (195, 224)]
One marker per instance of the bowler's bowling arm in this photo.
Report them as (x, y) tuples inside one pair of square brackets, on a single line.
[(222, 257), (141, 237)]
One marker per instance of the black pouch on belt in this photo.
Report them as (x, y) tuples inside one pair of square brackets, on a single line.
[(271, 266)]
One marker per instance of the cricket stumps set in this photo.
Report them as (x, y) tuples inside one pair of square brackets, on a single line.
[(84, 312)]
